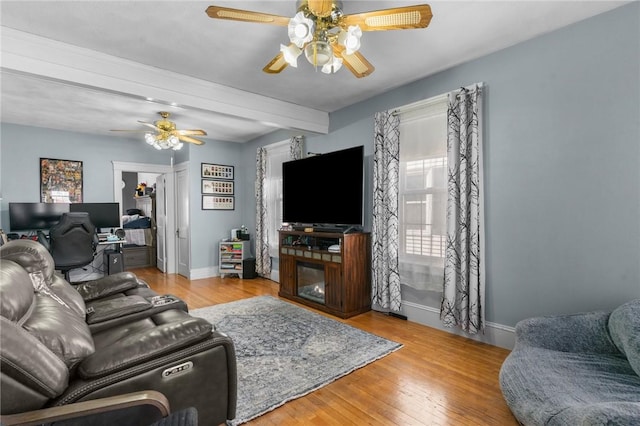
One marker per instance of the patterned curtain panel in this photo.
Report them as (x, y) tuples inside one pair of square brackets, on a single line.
[(464, 275), (384, 237), (296, 146), (263, 261)]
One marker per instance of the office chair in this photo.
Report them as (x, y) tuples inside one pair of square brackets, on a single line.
[(72, 242)]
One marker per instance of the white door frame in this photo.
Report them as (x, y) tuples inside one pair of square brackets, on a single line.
[(121, 166), (182, 167)]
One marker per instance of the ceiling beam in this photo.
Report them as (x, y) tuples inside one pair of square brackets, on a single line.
[(45, 58)]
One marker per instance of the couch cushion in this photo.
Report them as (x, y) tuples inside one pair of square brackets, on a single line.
[(624, 327), (60, 329), (16, 291), (538, 383)]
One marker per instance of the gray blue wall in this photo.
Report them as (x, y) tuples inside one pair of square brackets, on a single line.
[(22, 147), (562, 167)]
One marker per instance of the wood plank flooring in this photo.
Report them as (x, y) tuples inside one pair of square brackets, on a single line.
[(437, 378)]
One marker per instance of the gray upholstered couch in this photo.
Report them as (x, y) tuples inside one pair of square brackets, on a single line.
[(581, 369)]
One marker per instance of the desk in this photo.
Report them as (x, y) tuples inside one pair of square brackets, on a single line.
[(117, 243), (102, 262)]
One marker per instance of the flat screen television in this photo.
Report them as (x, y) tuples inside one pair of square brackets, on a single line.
[(35, 216), (102, 215), (325, 190)]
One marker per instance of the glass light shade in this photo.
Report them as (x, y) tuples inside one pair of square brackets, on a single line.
[(350, 39), (291, 54), (300, 29), (318, 53), (163, 141), (332, 66)]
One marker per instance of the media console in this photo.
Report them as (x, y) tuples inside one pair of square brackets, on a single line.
[(327, 271)]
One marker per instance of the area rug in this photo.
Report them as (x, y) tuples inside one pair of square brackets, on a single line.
[(284, 351)]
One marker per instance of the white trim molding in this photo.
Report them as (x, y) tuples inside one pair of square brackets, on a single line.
[(495, 334), (37, 56)]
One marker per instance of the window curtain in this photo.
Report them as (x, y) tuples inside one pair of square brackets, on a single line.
[(384, 236), (263, 258), (464, 274), (263, 261)]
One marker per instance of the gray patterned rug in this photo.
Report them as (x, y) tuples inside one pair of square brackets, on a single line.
[(284, 351)]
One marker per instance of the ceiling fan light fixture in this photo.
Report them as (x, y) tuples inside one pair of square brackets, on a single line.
[(300, 29), (163, 141), (350, 39), (332, 66), (291, 53), (149, 138), (318, 53)]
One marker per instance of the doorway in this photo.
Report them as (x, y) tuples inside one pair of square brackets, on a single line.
[(169, 218)]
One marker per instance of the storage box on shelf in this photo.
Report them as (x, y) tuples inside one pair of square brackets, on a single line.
[(139, 256), (328, 271), (231, 256)]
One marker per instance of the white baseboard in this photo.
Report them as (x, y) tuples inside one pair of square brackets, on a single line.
[(494, 334), (200, 273)]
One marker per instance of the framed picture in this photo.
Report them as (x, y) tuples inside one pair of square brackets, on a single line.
[(60, 181), (218, 202), (223, 187), (217, 171)]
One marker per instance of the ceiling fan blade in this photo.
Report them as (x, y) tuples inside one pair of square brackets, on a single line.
[(356, 63), (276, 65), (189, 139), (131, 131), (399, 18), (153, 126), (218, 12), (196, 132), (321, 8)]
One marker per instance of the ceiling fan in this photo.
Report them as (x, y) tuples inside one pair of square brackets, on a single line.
[(328, 37), (166, 135)]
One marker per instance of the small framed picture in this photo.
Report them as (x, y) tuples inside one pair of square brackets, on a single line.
[(223, 187), (218, 202), (217, 171)]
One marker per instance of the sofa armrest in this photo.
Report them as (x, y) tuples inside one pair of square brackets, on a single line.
[(106, 286), (144, 345), (155, 400), (584, 332)]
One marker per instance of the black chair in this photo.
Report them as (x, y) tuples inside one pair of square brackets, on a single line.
[(72, 242)]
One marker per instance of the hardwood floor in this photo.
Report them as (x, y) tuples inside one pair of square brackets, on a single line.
[(437, 378)]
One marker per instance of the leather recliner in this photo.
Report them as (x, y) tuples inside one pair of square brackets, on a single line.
[(50, 357), (111, 300)]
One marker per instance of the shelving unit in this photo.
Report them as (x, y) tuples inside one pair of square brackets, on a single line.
[(327, 271), (231, 254)]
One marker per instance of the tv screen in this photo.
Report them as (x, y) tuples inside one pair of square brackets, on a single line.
[(102, 215), (35, 216), (324, 189)]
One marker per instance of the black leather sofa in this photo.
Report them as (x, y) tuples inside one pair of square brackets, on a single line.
[(51, 356)]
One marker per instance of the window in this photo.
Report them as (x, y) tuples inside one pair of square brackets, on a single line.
[(423, 194), (277, 154)]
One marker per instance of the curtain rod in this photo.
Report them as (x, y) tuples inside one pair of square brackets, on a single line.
[(432, 100)]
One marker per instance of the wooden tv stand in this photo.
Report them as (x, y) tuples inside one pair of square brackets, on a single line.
[(336, 281)]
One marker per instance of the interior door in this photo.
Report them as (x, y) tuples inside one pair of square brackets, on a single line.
[(182, 223), (161, 223)]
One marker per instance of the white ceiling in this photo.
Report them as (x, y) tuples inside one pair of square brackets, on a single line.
[(100, 60)]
